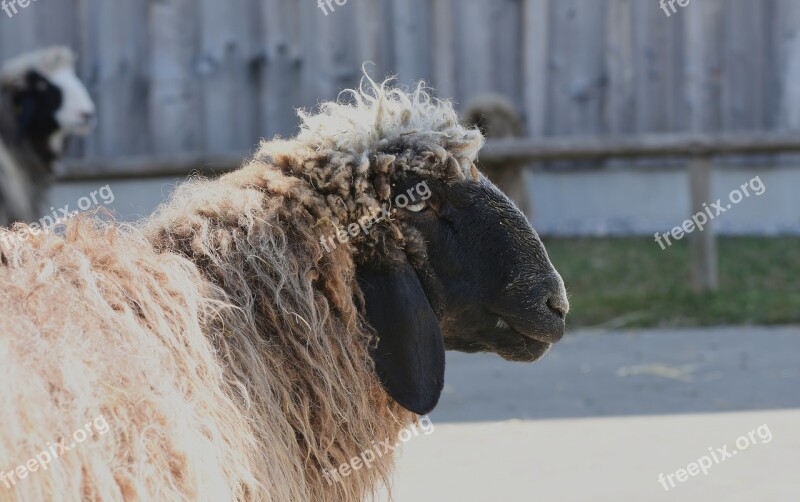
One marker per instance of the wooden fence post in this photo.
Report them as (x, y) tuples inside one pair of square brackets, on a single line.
[(703, 243)]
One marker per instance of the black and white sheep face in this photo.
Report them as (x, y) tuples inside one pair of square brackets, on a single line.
[(51, 107), (475, 277)]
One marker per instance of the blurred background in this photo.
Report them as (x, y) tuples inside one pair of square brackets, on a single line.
[(705, 328)]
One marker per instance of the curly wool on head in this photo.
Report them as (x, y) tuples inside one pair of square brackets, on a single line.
[(227, 351), (353, 150), (377, 115)]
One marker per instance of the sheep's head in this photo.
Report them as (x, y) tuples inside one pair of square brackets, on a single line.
[(50, 102), (444, 259)]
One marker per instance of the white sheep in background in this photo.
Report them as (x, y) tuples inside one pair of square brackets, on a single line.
[(42, 103)]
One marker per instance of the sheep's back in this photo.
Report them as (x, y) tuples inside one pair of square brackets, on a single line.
[(96, 324)]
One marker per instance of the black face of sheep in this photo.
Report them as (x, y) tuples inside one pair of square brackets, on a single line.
[(35, 107), (485, 284), (43, 108)]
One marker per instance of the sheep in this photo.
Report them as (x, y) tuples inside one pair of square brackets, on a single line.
[(234, 353), (497, 118), (42, 103)]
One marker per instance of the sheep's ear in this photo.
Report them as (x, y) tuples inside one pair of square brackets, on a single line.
[(409, 356)]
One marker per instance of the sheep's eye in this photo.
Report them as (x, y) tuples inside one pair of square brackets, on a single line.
[(41, 86), (417, 206)]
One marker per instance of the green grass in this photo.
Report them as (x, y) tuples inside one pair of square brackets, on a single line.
[(632, 282)]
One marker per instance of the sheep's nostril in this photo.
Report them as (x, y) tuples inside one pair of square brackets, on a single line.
[(557, 300), (556, 307), (87, 117)]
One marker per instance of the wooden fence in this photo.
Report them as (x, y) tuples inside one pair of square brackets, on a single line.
[(177, 78)]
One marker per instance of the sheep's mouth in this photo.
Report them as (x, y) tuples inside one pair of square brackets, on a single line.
[(501, 339), (528, 347), (549, 335)]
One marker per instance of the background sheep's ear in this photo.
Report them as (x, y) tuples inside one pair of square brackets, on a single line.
[(25, 116), (409, 357)]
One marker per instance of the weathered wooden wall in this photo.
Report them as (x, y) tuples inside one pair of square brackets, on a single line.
[(213, 76)]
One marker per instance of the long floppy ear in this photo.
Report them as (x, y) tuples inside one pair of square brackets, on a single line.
[(409, 357)]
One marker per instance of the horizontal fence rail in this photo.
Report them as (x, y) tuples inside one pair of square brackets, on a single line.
[(648, 145), (501, 151), (149, 167)]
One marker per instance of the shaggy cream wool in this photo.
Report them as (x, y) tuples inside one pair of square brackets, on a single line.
[(227, 351)]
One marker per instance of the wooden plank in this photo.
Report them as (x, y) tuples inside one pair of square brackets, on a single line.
[(330, 60), (496, 152), (746, 66), (784, 57), (372, 45), (19, 34), (443, 40), (506, 28), (144, 166), (620, 103), (55, 22), (229, 88), (703, 69), (321, 53), (640, 145), (577, 75), (282, 63), (659, 79), (119, 52), (746, 69), (347, 64), (786, 29), (536, 20), (8, 38), (412, 43), (473, 43), (703, 244), (174, 101)]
